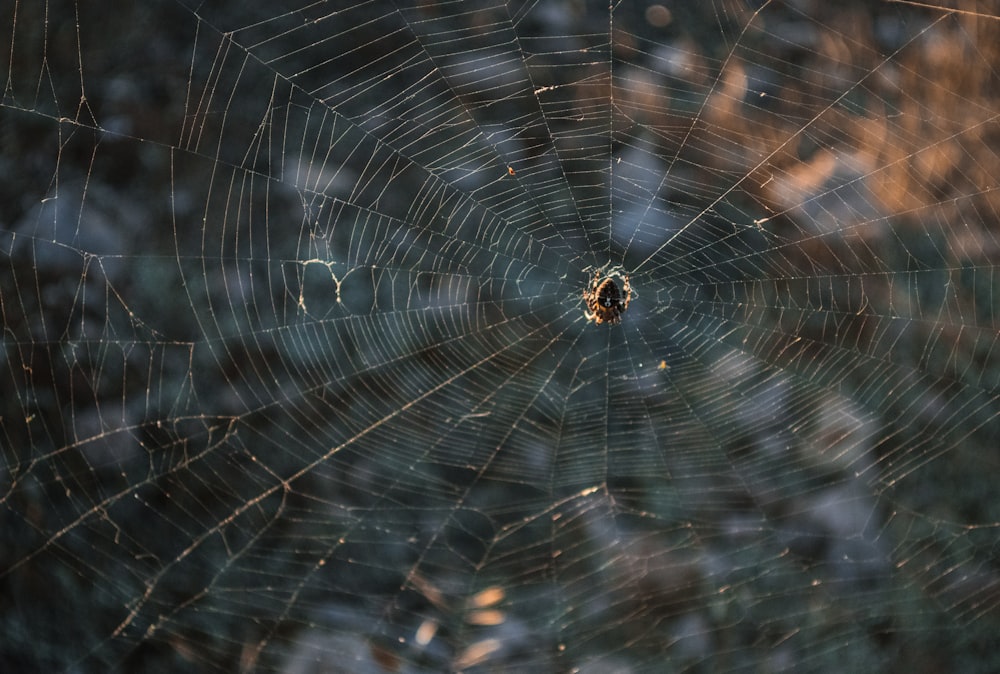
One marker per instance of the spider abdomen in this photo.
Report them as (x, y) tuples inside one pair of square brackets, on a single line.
[(605, 301)]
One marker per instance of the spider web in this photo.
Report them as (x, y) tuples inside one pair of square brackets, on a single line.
[(297, 375)]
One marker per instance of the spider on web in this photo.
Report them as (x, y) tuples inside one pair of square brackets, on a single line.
[(604, 300)]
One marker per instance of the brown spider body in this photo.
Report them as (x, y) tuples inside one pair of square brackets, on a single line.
[(605, 301)]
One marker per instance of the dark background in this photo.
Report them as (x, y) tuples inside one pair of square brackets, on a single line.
[(296, 375)]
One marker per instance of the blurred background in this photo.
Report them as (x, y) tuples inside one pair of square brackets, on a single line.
[(297, 375)]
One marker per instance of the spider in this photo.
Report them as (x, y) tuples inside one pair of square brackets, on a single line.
[(605, 302)]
